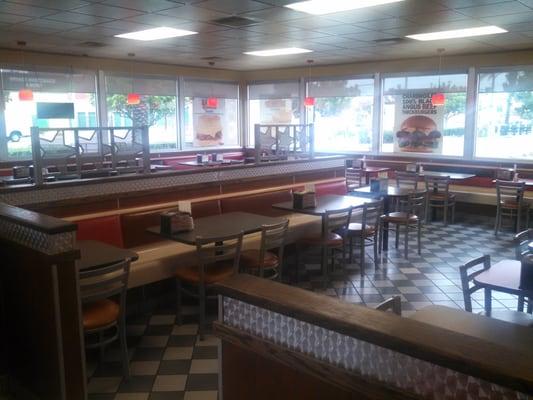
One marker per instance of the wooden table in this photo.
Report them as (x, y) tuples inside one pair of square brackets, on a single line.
[(454, 176), (325, 203), (393, 192), (95, 254), (527, 182), (372, 170), (504, 276), (195, 163), (503, 333), (220, 225)]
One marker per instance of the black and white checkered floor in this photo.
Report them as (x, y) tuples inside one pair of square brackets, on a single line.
[(169, 361)]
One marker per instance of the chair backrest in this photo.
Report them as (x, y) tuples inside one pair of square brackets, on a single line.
[(521, 241), (510, 191), (211, 250), (408, 180), (393, 304), (105, 282), (354, 178), (416, 203), (273, 236), (466, 278), (337, 220), (371, 213), (439, 184)]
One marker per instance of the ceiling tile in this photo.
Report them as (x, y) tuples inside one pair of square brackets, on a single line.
[(194, 13), (12, 18), (77, 18), (149, 6), (232, 6), (53, 4), (101, 10), (25, 10), (509, 7), (510, 19)]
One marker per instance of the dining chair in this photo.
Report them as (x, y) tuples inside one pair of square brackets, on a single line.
[(269, 257), (332, 238), (409, 218), (521, 241), (439, 196), (218, 258), (510, 203), (365, 233), (393, 304), (479, 265), (408, 180), (354, 178), (103, 298)]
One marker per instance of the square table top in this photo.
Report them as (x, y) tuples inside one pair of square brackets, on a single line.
[(220, 225), (98, 254), (392, 191), (325, 203), (453, 175)]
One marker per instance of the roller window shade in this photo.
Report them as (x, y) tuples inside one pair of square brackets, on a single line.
[(504, 82), (50, 82), (144, 86), (341, 88), (277, 90), (202, 89), (449, 83)]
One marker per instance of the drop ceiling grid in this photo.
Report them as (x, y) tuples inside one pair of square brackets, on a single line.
[(62, 26)]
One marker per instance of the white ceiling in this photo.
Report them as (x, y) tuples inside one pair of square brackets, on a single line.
[(61, 26)]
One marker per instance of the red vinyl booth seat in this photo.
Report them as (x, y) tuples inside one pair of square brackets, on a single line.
[(104, 229)]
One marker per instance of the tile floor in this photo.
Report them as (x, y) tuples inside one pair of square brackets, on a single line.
[(169, 361)]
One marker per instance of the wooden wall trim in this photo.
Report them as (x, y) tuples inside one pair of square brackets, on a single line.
[(347, 380), (505, 366)]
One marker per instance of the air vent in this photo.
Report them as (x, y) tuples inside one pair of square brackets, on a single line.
[(92, 44), (213, 58), (235, 22), (393, 40)]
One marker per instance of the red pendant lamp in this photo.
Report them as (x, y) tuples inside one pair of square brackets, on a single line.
[(133, 99), (438, 99), (309, 101), (25, 94), (212, 102)]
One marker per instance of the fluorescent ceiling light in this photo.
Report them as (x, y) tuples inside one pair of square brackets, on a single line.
[(156, 34), (319, 7), (278, 52), (458, 33)]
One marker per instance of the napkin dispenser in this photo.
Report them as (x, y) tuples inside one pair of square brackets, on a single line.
[(176, 221), (526, 272), (304, 200), (379, 185)]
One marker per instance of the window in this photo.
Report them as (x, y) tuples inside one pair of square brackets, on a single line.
[(412, 124), (273, 103), (211, 115), (157, 108), (505, 115), (342, 114), (77, 88)]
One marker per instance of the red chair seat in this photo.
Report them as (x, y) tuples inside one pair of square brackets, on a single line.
[(356, 228), (213, 273), (331, 240), (400, 217), (99, 314), (250, 259)]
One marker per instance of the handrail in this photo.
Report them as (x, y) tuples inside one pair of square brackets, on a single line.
[(511, 367), (38, 222)]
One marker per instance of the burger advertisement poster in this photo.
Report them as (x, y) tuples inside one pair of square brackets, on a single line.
[(418, 123), (208, 123)]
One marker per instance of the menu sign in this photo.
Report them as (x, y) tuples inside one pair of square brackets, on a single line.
[(418, 123), (208, 123)]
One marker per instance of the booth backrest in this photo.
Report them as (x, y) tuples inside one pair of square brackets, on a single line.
[(105, 229), (206, 208), (134, 228), (338, 187), (256, 203)]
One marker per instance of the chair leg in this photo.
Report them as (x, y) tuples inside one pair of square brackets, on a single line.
[(497, 223), (488, 302), (376, 250), (350, 248), (445, 211), (124, 349), (419, 236), (380, 236), (362, 255), (406, 240), (178, 302), (201, 297), (518, 219), (101, 348), (397, 234), (453, 213), (520, 306)]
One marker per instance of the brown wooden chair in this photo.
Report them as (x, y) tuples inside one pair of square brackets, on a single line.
[(510, 203), (393, 304), (259, 261), (332, 238), (469, 287), (365, 233), (439, 196), (218, 259), (521, 241), (103, 298), (408, 180), (354, 178), (409, 218)]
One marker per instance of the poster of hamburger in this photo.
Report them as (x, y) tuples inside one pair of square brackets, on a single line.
[(208, 123), (418, 123)]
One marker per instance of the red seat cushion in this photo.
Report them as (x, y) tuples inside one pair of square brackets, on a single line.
[(331, 188), (104, 229)]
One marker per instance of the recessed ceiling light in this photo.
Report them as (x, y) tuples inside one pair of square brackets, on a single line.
[(458, 33), (319, 7), (278, 52), (162, 32)]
